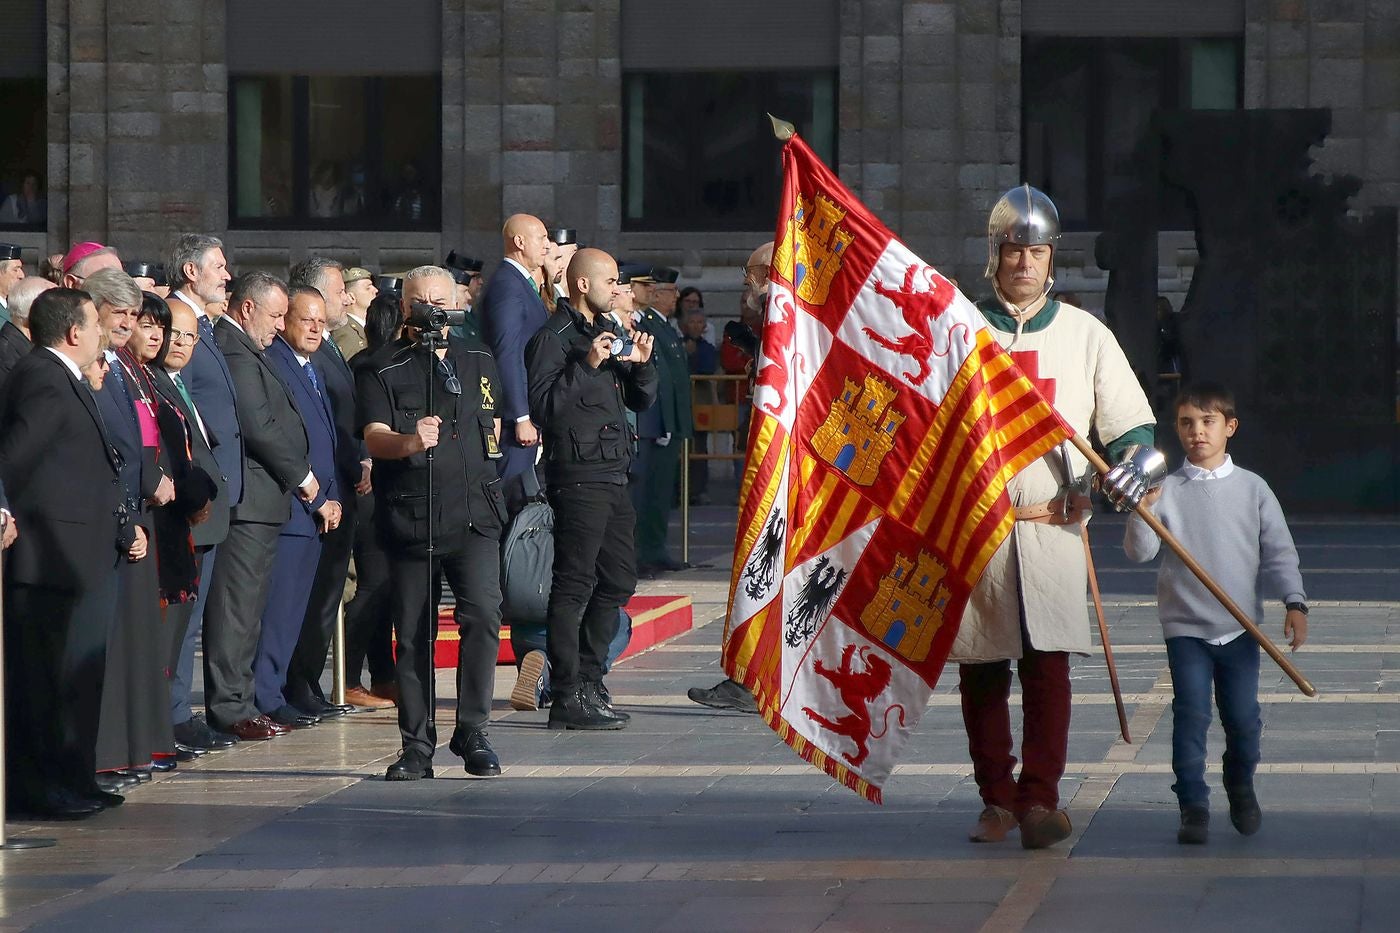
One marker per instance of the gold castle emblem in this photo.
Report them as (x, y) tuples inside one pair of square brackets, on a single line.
[(908, 607), (813, 246), (859, 429)]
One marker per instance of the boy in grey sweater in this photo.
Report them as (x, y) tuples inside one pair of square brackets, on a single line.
[(1230, 521)]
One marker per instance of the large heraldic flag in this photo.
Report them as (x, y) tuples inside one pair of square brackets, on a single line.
[(886, 424)]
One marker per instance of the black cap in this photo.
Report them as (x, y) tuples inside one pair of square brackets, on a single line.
[(142, 269), (461, 262), (9, 251), (634, 272), (563, 236), (665, 275), (389, 283)]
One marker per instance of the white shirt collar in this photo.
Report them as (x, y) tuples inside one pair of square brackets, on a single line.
[(1194, 472), (198, 309), (230, 318), (72, 366), (522, 270), (357, 319)]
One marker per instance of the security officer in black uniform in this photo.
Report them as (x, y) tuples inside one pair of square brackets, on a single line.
[(466, 272), (581, 384), (463, 431), (665, 427)]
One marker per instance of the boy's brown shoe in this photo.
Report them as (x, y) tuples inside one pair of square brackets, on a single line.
[(1042, 828), (993, 825)]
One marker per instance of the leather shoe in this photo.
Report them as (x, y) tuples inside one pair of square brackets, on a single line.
[(388, 690), (411, 766), (113, 781), (573, 711), (105, 800), (727, 694), (185, 753), (289, 716), (360, 697), (163, 764), (476, 751), (196, 733), (1042, 827), (1195, 825), (596, 695), (55, 804), (142, 773), (671, 566), (256, 730), (993, 824), (318, 709)]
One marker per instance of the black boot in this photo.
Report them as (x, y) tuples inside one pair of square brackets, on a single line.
[(1245, 814), (1195, 825), (573, 711), (596, 695)]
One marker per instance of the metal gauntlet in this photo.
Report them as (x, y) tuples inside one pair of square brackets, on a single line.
[(1141, 470)]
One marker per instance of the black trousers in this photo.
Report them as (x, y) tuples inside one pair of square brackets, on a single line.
[(595, 573), (233, 621), (318, 627), (472, 566), (55, 661), (368, 624)]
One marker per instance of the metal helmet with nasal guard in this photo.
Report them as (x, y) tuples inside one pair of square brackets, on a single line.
[(1025, 216)]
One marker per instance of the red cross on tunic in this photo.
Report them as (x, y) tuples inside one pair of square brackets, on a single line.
[(1029, 361)]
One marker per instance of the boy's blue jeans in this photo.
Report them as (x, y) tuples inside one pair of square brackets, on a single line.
[(1234, 670)]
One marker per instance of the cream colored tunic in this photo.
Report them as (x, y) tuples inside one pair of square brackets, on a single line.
[(1093, 386)]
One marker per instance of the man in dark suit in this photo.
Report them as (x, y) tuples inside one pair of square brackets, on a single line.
[(62, 478), (511, 311), (199, 274), (275, 464), (299, 548), (14, 333), (337, 388), (169, 379)]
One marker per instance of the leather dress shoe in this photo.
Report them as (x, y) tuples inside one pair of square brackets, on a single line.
[(289, 716), (197, 734), (54, 804), (256, 730), (476, 751), (597, 695), (573, 711), (185, 753), (113, 781), (163, 764), (670, 565), (317, 708), (411, 766), (142, 773), (362, 698), (106, 800), (388, 690)]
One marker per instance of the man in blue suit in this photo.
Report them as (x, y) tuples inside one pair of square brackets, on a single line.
[(299, 542), (198, 274), (511, 310)]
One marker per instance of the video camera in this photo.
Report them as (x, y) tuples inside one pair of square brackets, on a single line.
[(742, 336), (431, 318)]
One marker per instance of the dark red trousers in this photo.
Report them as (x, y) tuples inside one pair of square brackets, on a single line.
[(1045, 699)]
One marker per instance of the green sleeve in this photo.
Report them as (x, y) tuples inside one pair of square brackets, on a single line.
[(1144, 434)]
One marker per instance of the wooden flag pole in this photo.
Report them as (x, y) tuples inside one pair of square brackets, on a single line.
[(1103, 636), (1170, 541)]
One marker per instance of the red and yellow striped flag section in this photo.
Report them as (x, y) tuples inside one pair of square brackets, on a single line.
[(886, 424)]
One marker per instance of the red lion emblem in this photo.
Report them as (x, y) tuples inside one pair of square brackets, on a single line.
[(920, 310), (857, 689), (777, 341)]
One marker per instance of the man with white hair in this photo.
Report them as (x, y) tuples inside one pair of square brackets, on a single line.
[(14, 335), (11, 274)]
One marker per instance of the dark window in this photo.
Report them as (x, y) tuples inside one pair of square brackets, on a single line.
[(1088, 104), (310, 151), (24, 155), (699, 152)]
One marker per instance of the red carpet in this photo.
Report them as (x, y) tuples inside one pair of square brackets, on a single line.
[(654, 620)]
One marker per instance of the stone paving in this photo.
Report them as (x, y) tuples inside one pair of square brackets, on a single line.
[(694, 819)]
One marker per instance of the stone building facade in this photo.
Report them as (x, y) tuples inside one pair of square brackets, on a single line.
[(929, 116)]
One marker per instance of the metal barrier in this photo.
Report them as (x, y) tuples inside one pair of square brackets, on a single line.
[(711, 416)]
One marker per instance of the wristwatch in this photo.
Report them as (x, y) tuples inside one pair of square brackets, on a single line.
[(1296, 607)]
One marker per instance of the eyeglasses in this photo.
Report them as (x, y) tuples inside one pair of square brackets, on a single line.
[(754, 275), (451, 382), (184, 336)]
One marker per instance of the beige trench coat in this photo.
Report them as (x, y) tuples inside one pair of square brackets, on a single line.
[(1042, 566)]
